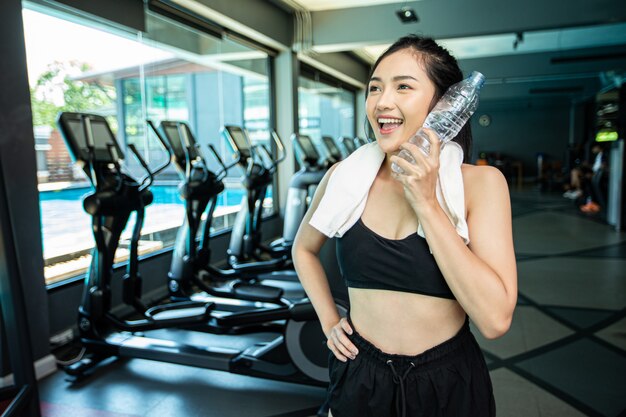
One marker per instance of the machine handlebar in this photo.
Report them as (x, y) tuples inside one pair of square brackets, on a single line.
[(164, 144), (280, 146), (222, 173), (149, 175)]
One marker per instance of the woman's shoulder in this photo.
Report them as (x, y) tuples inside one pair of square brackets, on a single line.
[(480, 172), (481, 180)]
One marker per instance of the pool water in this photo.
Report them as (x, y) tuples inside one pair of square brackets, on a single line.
[(66, 228), (163, 194)]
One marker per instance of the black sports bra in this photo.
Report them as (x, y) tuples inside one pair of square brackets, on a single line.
[(368, 260)]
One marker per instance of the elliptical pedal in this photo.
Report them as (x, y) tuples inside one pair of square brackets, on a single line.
[(257, 292), (181, 313)]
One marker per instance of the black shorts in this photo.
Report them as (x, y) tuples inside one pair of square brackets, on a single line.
[(450, 379)]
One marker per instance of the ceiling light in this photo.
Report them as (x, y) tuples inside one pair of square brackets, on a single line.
[(407, 15)]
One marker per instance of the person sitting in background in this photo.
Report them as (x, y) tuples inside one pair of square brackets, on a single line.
[(573, 189), (581, 181), (594, 199)]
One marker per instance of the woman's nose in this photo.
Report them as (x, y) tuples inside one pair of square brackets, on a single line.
[(385, 101)]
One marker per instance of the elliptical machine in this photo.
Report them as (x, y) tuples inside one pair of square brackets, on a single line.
[(301, 189), (348, 145), (296, 354), (246, 250), (332, 150), (115, 197), (191, 261), (358, 142)]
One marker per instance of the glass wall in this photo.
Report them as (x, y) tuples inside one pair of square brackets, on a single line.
[(325, 110), (170, 72)]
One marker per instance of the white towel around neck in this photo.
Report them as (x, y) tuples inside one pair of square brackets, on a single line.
[(346, 193)]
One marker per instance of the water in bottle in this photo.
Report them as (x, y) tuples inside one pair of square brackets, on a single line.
[(450, 114)]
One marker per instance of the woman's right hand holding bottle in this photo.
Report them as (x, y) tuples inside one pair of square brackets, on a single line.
[(339, 343)]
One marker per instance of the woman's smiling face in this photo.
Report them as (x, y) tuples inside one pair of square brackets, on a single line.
[(399, 98)]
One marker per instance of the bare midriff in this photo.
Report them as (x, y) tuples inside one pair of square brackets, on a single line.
[(404, 323)]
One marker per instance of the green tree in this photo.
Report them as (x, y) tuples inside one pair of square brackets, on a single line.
[(56, 90)]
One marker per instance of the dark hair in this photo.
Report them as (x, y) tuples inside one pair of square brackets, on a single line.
[(442, 69)]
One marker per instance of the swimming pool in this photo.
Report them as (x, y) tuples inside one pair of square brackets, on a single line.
[(66, 228), (163, 194)]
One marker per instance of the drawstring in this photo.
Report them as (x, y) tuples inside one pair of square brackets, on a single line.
[(400, 400)]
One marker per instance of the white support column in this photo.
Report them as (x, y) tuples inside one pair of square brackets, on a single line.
[(287, 71)]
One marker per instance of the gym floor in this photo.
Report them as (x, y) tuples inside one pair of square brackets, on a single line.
[(565, 354)]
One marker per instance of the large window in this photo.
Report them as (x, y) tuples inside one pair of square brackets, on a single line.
[(170, 72), (325, 109)]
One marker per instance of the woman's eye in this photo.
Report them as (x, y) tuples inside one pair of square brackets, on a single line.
[(374, 88), (404, 87)]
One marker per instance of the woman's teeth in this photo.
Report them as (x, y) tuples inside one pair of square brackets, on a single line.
[(388, 124), (388, 120)]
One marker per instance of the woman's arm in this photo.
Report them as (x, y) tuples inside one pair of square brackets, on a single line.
[(483, 275), (305, 251)]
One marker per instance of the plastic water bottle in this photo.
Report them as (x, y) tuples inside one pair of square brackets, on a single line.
[(450, 114)]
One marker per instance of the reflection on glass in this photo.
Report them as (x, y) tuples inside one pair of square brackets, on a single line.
[(324, 110)]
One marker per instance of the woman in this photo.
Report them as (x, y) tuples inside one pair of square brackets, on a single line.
[(406, 350)]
